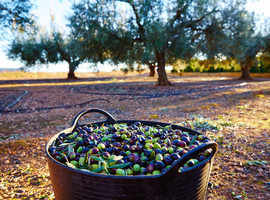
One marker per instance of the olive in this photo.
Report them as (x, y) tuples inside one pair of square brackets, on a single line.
[(55, 153), (94, 166), (132, 157), (200, 137), (207, 152), (147, 153), (159, 165), (192, 146), (126, 147), (132, 148), (122, 153), (186, 140), (113, 129), (86, 141), (72, 155), (184, 135), (143, 170), (132, 140), (156, 172), (162, 136), (150, 168), (158, 151), (117, 144), (206, 140), (182, 152), (138, 124), (167, 160), (182, 144), (123, 137), (62, 136), (61, 148), (79, 143), (52, 149), (164, 170), (129, 172), (201, 158), (94, 151), (115, 150), (170, 150), (178, 132), (196, 142), (157, 146), (140, 133), (91, 137), (148, 146), (175, 156), (176, 142), (74, 162), (120, 161), (139, 148), (174, 137), (159, 157), (101, 146), (136, 167), (116, 137), (106, 155), (163, 149), (122, 131)]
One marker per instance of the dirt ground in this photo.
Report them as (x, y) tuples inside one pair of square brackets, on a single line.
[(234, 113)]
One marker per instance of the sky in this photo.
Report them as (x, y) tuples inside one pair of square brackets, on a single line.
[(61, 8)]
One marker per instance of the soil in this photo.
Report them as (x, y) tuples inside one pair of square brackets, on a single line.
[(234, 113)]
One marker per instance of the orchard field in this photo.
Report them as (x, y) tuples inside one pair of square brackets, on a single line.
[(234, 113)]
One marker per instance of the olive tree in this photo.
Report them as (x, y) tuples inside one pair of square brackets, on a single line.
[(15, 11), (37, 47)]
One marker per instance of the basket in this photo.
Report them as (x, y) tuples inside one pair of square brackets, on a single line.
[(190, 184)]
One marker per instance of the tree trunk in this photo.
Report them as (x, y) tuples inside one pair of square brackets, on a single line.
[(71, 74), (152, 68), (162, 76), (245, 75)]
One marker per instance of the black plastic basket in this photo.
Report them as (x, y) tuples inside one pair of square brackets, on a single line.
[(191, 184)]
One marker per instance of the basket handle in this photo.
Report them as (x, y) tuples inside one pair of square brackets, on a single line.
[(174, 169), (110, 118)]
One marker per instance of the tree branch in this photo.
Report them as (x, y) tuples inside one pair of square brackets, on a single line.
[(141, 28), (178, 13), (199, 20)]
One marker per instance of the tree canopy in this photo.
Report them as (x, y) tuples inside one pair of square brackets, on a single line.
[(37, 47), (14, 11), (136, 31)]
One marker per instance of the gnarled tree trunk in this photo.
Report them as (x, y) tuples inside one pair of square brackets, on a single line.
[(162, 76), (152, 68), (245, 75), (71, 74)]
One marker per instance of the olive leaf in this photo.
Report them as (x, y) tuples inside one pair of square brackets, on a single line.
[(70, 165), (70, 149), (115, 159), (65, 144), (120, 165), (193, 140), (98, 169), (152, 155), (96, 158), (85, 170)]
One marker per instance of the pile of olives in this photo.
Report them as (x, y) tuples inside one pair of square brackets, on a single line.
[(123, 149)]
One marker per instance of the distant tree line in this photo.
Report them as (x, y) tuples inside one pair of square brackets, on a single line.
[(151, 33)]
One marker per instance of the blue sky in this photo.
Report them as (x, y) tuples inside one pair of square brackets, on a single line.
[(61, 8)]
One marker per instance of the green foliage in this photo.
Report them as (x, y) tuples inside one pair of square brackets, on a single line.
[(14, 13), (142, 32)]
